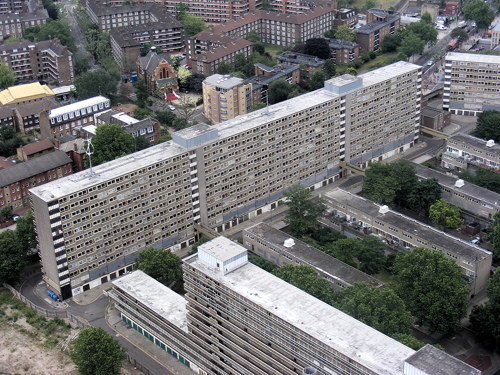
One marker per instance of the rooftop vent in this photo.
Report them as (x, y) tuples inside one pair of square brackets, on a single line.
[(459, 183), (309, 371), (289, 242), (490, 143), (383, 209)]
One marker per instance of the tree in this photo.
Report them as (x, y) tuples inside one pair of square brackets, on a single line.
[(181, 10), (494, 236), (94, 83), (253, 36), (445, 215), (424, 31), (193, 24), (369, 4), (141, 143), (12, 257), (317, 47), (265, 264), (411, 44), (487, 125), (344, 33), (391, 42), (460, 35), (480, 12), (7, 76), (485, 319), (432, 288), (306, 278), (9, 141), (163, 138), (224, 68), (485, 177), (256, 106), (303, 213), (344, 249), (52, 10), (380, 184), (381, 309), (195, 81), (161, 264), (329, 69), (265, 5), (330, 34), (5, 213), (278, 91), (427, 18), (186, 107), (182, 76), (141, 92), (146, 47), (82, 65), (424, 194), (179, 123), (405, 173), (318, 80), (165, 118), (371, 255), (409, 341), (111, 142), (59, 29), (26, 233), (141, 113), (96, 352)]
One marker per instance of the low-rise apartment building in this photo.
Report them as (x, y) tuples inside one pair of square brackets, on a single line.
[(11, 6), (343, 52), (470, 83), (16, 181), (379, 24), (345, 16), (220, 175), (35, 149), (27, 115), (216, 12), (405, 233), (238, 318), (312, 63), (146, 128), (265, 75), (463, 150), (14, 23), (282, 249), (477, 204), (280, 29), (127, 41), (70, 118), (39, 61), (434, 118), (225, 97)]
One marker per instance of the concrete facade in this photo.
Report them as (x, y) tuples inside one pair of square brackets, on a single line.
[(219, 175)]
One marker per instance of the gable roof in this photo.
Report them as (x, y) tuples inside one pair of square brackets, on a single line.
[(33, 167), (38, 146), (152, 60)]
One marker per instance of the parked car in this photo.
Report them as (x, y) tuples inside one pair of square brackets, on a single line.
[(15, 217), (430, 62), (171, 107), (476, 241)]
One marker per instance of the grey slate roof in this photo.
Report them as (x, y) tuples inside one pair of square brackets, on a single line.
[(431, 360), (33, 167), (152, 60), (374, 26)]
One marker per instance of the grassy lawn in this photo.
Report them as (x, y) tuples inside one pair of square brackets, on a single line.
[(273, 50), (382, 4), (385, 277), (378, 62)]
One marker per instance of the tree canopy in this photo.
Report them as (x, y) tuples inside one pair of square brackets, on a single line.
[(432, 287), (423, 195), (303, 212), (445, 215), (411, 44), (95, 352), (381, 309), (162, 265), (306, 278), (386, 183), (141, 93), (480, 12), (484, 177), (59, 29), (94, 83), (195, 80), (9, 140), (193, 24), (344, 33), (459, 34), (370, 254), (26, 233), (494, 236), (424, 31), (265, 264), (12, 257), (317, 47), (111, 142), (485, 319), (487, 125), (329, 69), (7, 76)]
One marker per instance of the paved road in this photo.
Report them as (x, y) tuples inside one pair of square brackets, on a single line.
[(70, 7)]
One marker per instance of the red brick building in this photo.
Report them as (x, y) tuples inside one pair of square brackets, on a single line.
[(17, 180), (158, 73), (34, 150)]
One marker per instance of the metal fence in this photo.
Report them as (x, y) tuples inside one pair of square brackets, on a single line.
[(63, 314)]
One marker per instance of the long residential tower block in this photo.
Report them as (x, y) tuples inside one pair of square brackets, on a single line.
[(91, 226)]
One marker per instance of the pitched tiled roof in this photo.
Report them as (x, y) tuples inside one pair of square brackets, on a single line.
[(151, 61), (44, 104), (227, 48), (38, 146), (33, 167)]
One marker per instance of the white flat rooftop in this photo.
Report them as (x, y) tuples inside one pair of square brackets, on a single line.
[(222, 248), (335, 329), (107, 171), (156, 296), (472, 57), (78, 105), (388, 72)]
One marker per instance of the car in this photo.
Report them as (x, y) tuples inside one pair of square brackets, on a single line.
[(441, 27), (476, 241), (171, 107), (430, 62), (15, 217)]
